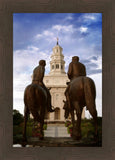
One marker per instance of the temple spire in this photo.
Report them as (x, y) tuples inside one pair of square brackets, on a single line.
[(57, 40), (57, 63)]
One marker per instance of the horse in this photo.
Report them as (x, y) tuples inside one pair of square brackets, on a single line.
[(35, 100), (82, 92)]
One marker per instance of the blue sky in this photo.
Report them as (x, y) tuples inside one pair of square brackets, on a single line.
[(34, 36)]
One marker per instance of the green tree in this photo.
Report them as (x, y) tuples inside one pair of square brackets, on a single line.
[(17, 117)]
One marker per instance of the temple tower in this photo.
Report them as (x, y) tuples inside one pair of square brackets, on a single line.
[(56, 80), (57, 63)]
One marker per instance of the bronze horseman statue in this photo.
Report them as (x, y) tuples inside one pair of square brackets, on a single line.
[(38, 75), (80, 92), (75, 70), (37, 99)]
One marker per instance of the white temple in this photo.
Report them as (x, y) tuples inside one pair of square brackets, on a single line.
[(56, 80)]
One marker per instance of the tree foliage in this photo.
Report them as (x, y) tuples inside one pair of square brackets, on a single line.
[(17, 117)]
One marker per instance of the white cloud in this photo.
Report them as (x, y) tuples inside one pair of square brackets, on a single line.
[(90, 17), (98, 83), (38, 36), (63, 28), (33, 48), (48, 33), (98, 62), (69, 38), (25, 58), (25, 61), (69, 18), (57, 27), (83, 29), (19, 84), (44, 34)]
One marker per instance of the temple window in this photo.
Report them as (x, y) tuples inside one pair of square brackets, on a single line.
[(61, 66), (52, 66), (57, 66), (57, 114), (57, 96)]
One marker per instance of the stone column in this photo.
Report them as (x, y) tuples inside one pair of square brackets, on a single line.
[(52, 114)]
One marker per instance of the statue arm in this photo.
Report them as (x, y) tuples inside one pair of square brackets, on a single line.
[(69, 73), (84, 71), (38, 73), (42, 73)]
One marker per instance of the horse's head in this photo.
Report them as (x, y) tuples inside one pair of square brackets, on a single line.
[(65, 107)]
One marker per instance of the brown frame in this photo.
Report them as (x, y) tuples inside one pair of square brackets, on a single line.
[(7, 8)]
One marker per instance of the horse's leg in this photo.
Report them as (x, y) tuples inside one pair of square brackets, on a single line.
[(41, 129), (42, 115), (72, 119), (39, 118), (77, 127), (36, 115), (93, 112), (90, 94), (26, 114), (72, 116)]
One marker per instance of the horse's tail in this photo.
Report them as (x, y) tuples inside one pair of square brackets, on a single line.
[(90, 95)]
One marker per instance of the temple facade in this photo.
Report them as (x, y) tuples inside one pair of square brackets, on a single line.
[(56, 80)]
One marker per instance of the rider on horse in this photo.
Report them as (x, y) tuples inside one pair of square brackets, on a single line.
[(38, 75), (75, 70)]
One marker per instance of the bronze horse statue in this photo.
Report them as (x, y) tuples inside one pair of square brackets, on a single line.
[(82, 93), (35, 100)]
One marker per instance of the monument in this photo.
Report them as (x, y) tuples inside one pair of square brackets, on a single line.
[(81, 92)]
